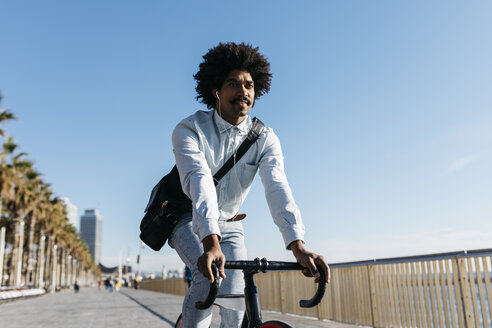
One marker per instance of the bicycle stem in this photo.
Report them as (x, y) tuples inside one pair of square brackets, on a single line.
[(252, 299)]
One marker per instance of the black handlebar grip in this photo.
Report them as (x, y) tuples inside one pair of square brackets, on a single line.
[(212, 293), (316, 299)]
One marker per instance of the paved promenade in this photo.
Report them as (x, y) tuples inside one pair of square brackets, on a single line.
[(99, 308)]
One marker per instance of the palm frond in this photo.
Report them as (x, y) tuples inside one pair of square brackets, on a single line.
[(9, 146), (5, 115), (18, 156)]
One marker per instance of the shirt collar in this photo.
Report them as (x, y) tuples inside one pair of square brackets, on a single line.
[(222, 125)]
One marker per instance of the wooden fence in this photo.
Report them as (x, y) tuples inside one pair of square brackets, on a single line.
[(175, 286), (439, 290)]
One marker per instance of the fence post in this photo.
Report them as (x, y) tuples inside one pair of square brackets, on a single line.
[(465, 293), (373, 297), (282, 292)]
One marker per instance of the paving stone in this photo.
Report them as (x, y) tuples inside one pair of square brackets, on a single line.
[(95, 308)]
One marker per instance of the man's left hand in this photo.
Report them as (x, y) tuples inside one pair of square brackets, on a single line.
[(309, 260)]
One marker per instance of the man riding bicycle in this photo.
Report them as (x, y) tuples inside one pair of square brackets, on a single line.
[(230, 78)]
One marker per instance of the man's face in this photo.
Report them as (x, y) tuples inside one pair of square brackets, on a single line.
[(237, 96)]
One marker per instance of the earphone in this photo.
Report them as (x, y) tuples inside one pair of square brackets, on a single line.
[(218, 98)]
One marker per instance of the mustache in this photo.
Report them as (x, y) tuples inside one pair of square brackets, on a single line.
[(238, 99)]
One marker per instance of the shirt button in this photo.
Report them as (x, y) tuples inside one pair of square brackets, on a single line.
[(222, 188)]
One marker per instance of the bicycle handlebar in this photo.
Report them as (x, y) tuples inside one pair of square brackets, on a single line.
[(212, 293), (320, 292), (262, 266)]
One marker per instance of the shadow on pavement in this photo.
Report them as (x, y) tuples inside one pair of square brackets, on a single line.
[(149, 309)]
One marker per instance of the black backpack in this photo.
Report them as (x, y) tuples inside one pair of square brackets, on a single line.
[(168, 203)]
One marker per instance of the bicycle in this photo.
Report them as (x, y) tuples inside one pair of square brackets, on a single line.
[(252, 316)]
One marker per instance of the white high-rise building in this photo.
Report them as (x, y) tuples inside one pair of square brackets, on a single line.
[(91, 232), (72, 212)]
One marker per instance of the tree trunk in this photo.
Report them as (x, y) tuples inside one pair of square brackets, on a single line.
[(15, 254), (75, 270), (29, 277), (39, 281), (7, 257), (2, 252), (18, 274), (62, 266), (54, 277), (69, 269), (49, 260)]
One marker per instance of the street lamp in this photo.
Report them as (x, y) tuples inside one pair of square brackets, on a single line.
[(142, 246), (120, 268)]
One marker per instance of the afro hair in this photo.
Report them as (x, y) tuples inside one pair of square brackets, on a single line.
[(219, 61)]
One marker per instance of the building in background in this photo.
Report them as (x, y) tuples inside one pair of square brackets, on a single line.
[(91, 232), (72, 212)]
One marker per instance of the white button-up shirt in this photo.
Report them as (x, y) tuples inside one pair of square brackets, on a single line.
[(202, 143)]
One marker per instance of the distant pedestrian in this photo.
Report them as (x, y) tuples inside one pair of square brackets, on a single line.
[(76, 287), (188, 276)]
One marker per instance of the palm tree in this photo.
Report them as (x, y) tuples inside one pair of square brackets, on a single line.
[(13, 195), (5, 116), (39, 233), (35, 207), (26, 200)]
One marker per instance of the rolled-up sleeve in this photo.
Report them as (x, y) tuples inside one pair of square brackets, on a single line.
[(196, 180), (283, 208)]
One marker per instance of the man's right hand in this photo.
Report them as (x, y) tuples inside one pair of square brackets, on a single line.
[(211, 254)]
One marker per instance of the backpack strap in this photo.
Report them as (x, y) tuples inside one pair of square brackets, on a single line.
[(251, 138)]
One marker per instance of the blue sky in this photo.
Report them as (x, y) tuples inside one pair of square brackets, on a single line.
[(383, 109)]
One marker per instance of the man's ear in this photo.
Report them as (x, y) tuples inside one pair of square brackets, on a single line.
[(214, 93)]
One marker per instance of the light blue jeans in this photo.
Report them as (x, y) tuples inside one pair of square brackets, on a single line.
[(189, 249)]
